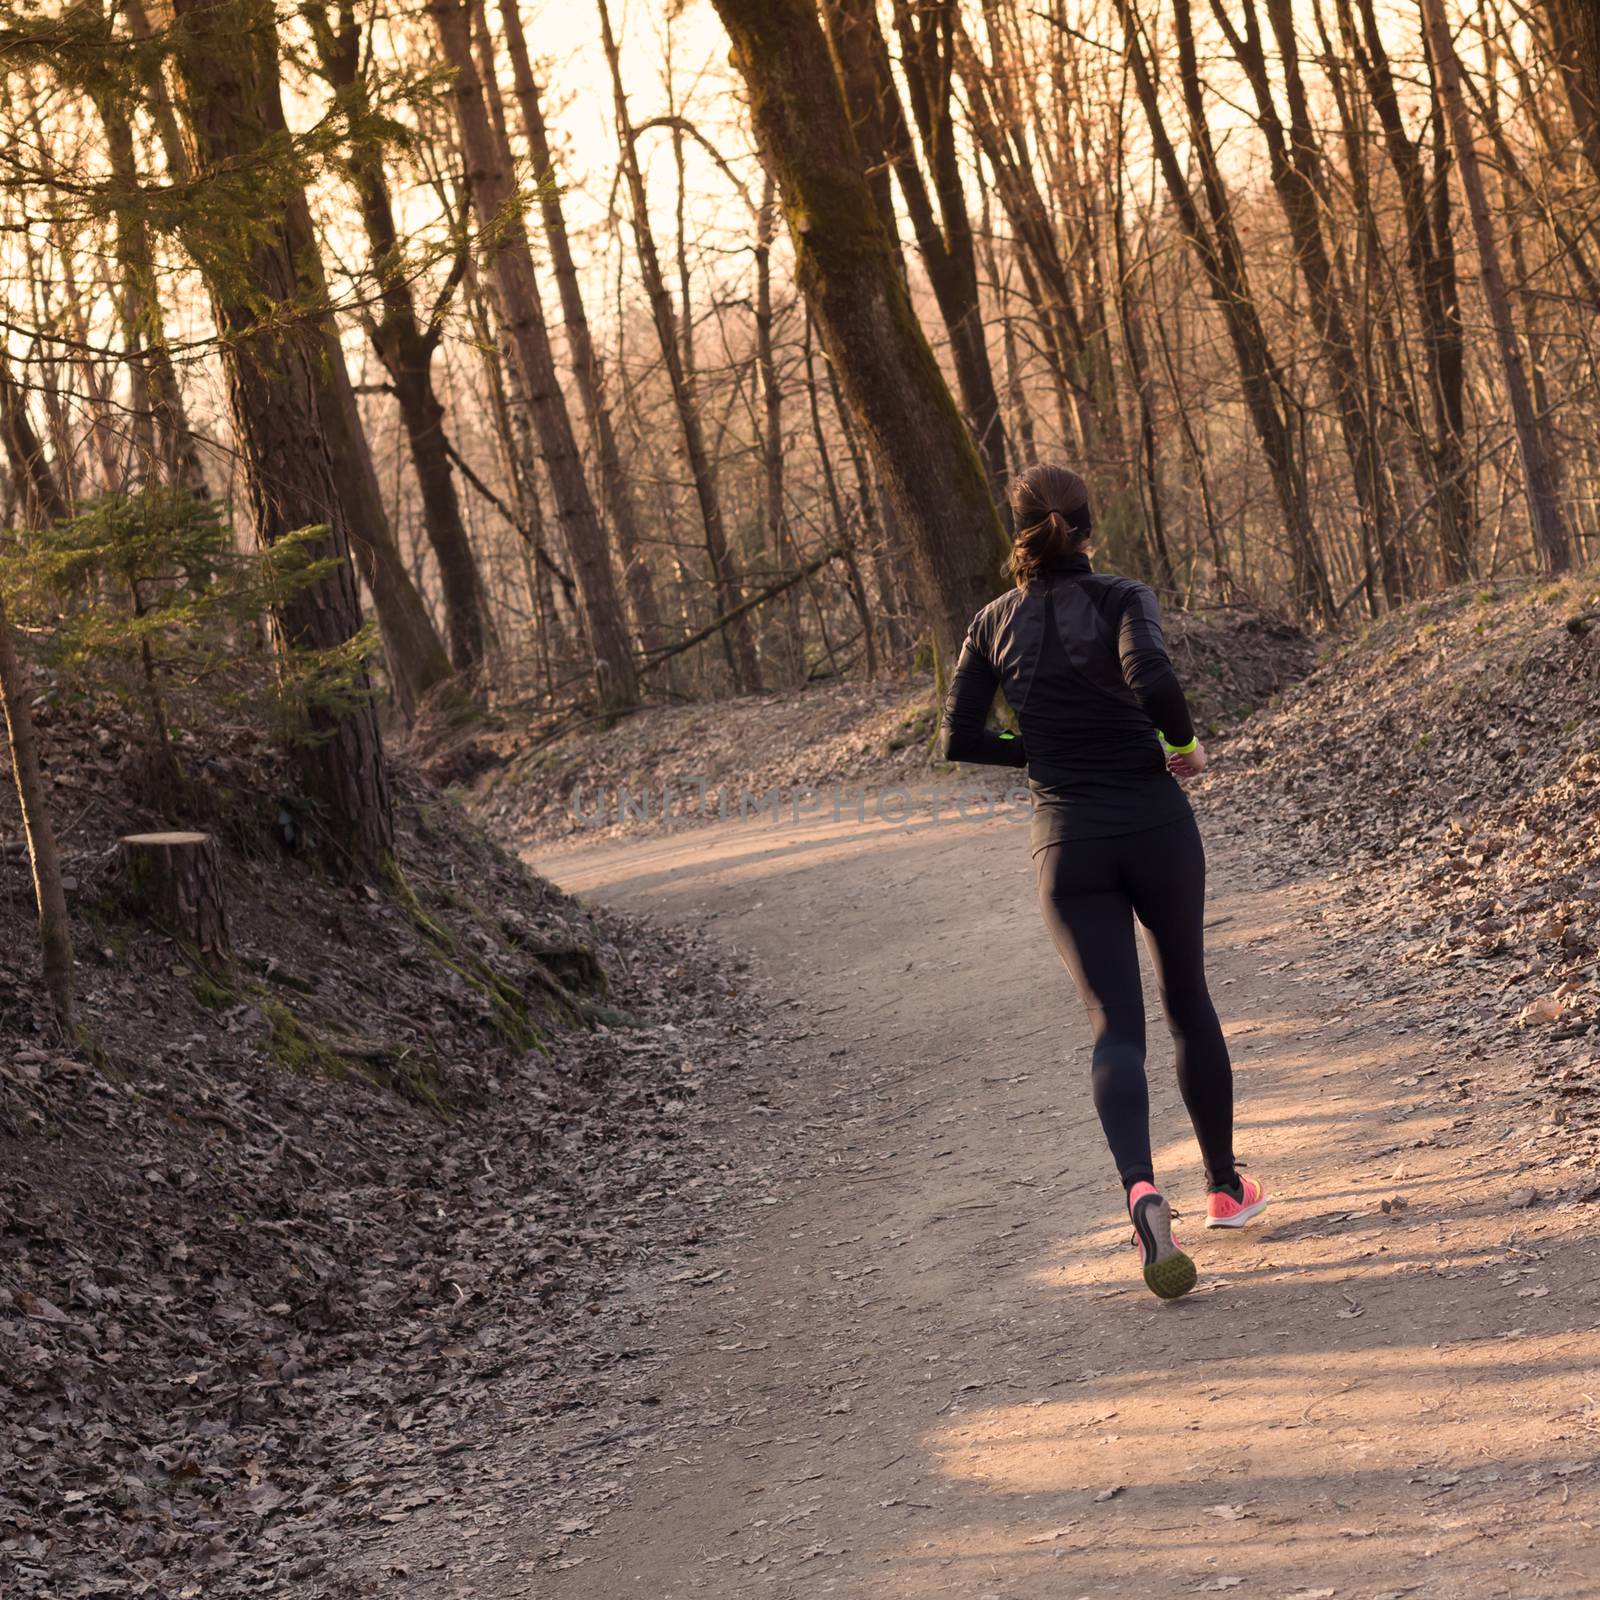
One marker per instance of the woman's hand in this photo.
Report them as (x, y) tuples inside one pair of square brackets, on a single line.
[(1189, 765)]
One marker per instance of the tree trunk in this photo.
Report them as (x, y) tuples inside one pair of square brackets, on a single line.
[(948, 255), (841, 527), (1430, 264), (1552, 548), (928, 33), (1164, 578), (885, 541), (32, 481), (175, 880), (1294, 161), (780, 540), (617, 499), (1221, 258), (1575, 28), (499, 212), (406, 350), (739, 639), (854, 35), (161, 423), (226, 52), (846, 269), (1020, 435), (414, 653), (1089, 414), (55, 931), (412, 647)]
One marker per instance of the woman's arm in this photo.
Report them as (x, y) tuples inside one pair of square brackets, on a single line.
[(1147, 669), (966, 710)]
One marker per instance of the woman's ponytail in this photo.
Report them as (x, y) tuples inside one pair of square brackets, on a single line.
[(1050, 509)]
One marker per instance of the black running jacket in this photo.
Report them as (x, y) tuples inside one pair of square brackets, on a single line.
[(1082, 662)]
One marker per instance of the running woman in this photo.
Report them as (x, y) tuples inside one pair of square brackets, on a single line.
[(1105, 734)]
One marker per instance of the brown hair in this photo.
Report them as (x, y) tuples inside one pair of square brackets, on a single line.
[(1050, 509)]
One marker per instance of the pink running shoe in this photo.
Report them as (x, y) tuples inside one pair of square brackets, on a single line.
[(1168, 1272), (1223, 1211)]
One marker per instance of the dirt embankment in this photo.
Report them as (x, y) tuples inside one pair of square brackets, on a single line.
[(265, 1221), (1446, 766), (697, 763)]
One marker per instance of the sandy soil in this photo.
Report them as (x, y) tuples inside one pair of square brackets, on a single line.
[(915, 1358)]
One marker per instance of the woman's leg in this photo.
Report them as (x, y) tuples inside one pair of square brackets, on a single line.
[(1091, 921), (1166, 880)]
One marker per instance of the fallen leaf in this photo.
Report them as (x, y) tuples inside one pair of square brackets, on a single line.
[(1112, 1492), (1543, 1010)]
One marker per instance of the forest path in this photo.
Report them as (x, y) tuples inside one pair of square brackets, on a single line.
[(928, 1366)]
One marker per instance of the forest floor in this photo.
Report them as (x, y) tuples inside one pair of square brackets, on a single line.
[(908, 1352), (271, 1227)]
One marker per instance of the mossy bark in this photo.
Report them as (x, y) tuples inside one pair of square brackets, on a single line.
[(846, 269), (275, 349)]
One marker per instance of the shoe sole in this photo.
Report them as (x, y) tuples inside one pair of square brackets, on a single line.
[(1239, 1218), (1168, 1272)]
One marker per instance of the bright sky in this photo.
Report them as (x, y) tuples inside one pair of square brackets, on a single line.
[(564, 39)]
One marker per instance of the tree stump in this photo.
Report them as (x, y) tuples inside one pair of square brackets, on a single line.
[(175, 879)]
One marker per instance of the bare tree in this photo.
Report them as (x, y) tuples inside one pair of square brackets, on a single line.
[(946, 246), (1431, 265), (406, 346), (1544, 505), (1575, 26), (617, 497), (1296, 165), (847, 271), (499, 210), (160, 417), (676, 354), (1217, 246)]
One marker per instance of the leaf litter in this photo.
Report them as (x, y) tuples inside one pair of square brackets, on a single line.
[(273, 1248), (1448, 805)]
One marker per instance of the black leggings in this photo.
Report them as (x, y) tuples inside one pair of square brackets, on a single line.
[(1090, 891)]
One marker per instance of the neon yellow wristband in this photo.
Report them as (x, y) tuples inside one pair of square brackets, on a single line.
[(1177, 749)]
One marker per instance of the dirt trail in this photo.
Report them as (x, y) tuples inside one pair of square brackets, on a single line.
[(921, 1363)]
